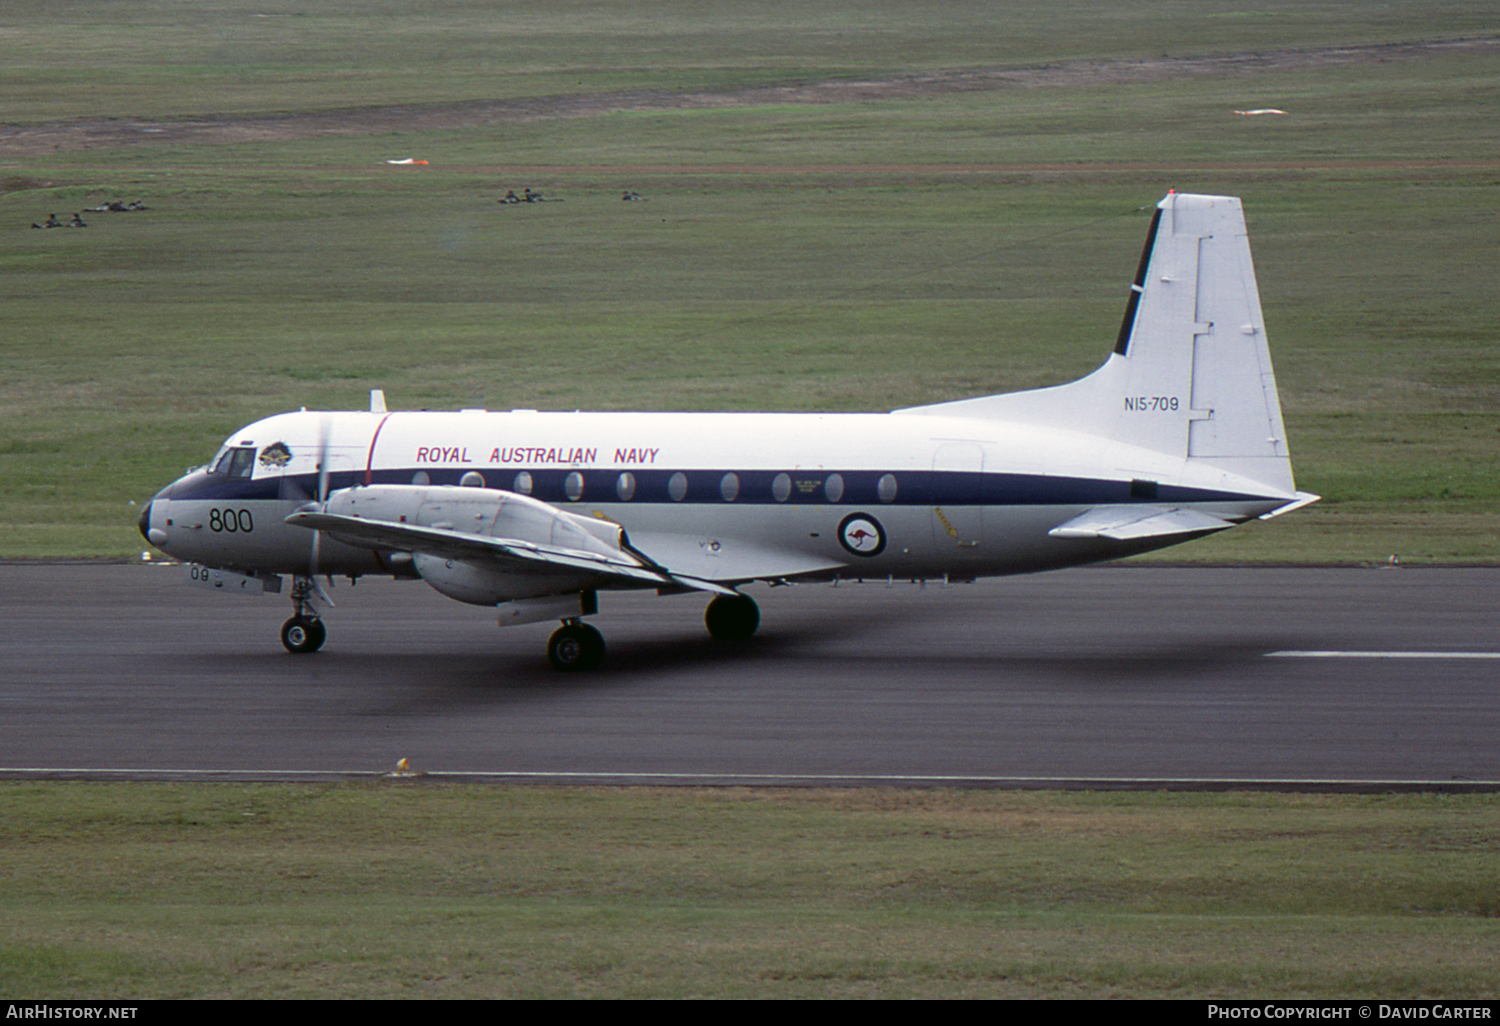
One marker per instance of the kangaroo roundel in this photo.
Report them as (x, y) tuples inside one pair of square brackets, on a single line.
[(862, 535)]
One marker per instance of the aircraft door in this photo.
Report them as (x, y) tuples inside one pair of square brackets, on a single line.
[(957, 516)]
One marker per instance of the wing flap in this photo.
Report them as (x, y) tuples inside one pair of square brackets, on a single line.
[(1130, 523), (727, 559)]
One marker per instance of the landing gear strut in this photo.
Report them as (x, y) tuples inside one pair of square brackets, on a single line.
[(304, 632), (575, 646), (732, 618)]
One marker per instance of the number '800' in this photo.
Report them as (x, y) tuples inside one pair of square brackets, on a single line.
[(230, 520)]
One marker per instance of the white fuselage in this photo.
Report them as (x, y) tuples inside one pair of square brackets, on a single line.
[(723, 496)]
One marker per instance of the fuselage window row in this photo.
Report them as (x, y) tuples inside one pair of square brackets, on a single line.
[(575, 486), (239, 463), (626, 484)]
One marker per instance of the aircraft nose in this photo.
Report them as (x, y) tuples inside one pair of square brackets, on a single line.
[(155, 535)]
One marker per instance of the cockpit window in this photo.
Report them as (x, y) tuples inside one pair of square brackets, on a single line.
[(242, 462)]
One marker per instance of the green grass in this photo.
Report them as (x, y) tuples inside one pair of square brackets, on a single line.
[(792, 256), (433, 890), (165, 58)]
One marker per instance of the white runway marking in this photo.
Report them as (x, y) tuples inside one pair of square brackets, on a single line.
[(1381, 655)]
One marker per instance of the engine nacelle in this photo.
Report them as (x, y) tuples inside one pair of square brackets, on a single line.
[(486, 585)]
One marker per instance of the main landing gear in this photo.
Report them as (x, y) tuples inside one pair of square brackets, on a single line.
[(304, 632), (576, 646), (731, 618)]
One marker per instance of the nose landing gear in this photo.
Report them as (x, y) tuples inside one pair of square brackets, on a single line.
[(304, 632)]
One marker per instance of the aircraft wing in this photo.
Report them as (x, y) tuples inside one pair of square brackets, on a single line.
[(512, 555), (1129, 523), (727, 558)]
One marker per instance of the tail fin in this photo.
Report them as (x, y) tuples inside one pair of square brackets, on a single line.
[(1190, 375)]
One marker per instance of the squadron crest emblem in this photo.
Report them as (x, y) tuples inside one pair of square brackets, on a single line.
[(275, 455)]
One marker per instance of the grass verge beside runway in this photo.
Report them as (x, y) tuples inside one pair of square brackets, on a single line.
[(411, 888)]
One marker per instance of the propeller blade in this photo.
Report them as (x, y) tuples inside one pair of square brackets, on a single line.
[(323, 429), (317, 540)]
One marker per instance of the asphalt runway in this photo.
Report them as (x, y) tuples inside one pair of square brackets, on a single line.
[(1115, 676)]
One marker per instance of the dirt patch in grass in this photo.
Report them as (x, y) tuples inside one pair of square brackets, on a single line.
[(84, 133)]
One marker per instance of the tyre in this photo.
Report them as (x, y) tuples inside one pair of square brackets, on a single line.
[(303, 634), (732, 619), (575, 647)]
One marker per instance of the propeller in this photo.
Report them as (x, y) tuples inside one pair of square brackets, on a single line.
[(322, 499)]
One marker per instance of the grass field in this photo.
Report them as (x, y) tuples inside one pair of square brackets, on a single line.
[(432, 890), (168, 58)]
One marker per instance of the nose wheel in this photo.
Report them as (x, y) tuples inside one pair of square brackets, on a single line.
[(303, 634)]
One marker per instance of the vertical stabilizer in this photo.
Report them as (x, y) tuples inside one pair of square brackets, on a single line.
[(1190, 375)]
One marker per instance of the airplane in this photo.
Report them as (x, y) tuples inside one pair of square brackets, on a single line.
[(1176, 436)]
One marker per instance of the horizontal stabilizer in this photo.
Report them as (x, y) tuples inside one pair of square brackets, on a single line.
[(1131, 523), (1302, 499)]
